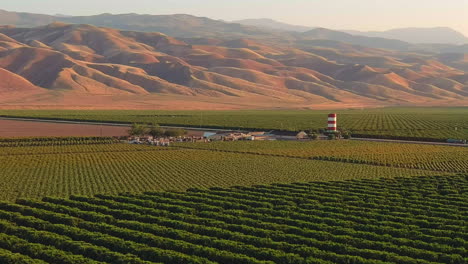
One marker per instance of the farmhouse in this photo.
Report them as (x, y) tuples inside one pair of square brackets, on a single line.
[(283, 135), (302, 135), (228, 136)]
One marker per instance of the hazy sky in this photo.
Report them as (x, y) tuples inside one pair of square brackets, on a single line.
[(334, 14)]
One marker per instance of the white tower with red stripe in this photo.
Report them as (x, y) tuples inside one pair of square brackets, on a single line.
[(332, 123)]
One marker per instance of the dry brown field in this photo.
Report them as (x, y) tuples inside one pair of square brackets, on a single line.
[(9, 128)]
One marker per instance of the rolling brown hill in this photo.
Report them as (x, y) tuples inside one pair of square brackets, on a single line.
[(76, 65), (189, 26), (11, 82)]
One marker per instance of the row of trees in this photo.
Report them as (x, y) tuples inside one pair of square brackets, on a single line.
[(236, 219), (271, 254), (283, 223), (140, 130), (101, 235), (341, 133)]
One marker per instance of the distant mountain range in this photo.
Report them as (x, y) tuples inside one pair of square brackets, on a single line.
[(272, 24), (440, 35), (179, 25), (191, 26), (199, 60)]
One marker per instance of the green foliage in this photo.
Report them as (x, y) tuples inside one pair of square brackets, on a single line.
[(406, 123), (137, 130), (400, 220), (156, 131), (63, 170), (174, 132), (416, 156), (346, 135), (313, 136)]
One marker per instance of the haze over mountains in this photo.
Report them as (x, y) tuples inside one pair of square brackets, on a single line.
[(438, 35), (419, 35), (216, 64), (272, 24)]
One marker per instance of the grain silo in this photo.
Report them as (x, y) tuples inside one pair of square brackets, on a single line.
[(332, 123)]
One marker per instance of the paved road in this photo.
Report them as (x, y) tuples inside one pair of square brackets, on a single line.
[(99, 123), (216, 130)]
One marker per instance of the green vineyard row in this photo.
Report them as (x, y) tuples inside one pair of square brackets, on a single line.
[(426, 157), (35, 172), (414, 220)]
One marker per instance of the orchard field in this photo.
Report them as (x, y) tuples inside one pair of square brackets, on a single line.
[(403, 123), (97, 201), (415, 220), (402, 155), (75, 167)]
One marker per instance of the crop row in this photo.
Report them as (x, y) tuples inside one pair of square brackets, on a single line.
[(426, 157), (33, 172), (315, 222)]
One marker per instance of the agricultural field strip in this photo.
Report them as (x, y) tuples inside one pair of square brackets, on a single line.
[(36, 176), (397, 217), (341, 148), (325, 218), (168, 245), (305, 190), (95, 237), (63, 243), (144, 208), (45, 252), (8, 257), (146, 228), (164, 232), (31, 151), (397, 214), (68, 152), (275, 223), (394, 219), (391, 160), (274, 213), (405, 123)]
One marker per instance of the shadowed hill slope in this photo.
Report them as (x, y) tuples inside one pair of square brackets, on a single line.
[(183, 26), (90, 60)]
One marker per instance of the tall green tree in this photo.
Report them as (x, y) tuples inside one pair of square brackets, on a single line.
[(175, 132), (156, 131), (137, 130)]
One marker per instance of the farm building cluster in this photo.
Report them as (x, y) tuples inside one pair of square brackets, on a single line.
[(216, 135), (251, 136), (203, 136)]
